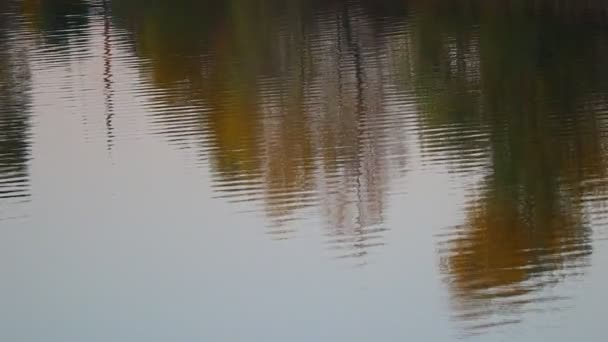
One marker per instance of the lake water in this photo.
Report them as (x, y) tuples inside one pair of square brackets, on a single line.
[(273, 170)]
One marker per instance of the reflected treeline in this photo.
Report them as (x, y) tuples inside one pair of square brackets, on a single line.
[(291, 104), (297, 112), (305, 105), (61, 23), (14, 118), (521, 87)]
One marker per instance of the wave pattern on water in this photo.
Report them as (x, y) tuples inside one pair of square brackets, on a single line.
[(321, 114), (14, 117)]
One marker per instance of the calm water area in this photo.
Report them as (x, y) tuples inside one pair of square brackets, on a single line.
[(292, 170)]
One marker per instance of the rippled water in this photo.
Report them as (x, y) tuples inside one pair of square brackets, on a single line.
[(270, 170)]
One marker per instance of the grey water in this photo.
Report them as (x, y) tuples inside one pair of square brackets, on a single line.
[(291, 170)]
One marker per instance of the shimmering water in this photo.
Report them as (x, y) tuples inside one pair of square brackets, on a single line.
[(290, 170)]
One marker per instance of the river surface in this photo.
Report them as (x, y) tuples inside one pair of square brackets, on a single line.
[(291, 170)]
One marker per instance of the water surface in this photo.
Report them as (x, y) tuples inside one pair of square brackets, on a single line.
[(271, 170)]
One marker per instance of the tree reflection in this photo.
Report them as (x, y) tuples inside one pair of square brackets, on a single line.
[(292, 102), (61, 23), (14, 119), (525, 85)]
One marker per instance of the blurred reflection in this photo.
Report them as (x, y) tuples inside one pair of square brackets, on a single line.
[(294, 110), (63, 24), (14, 120), (291, 101), (108, 77), (301, 106), (522, 87)]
